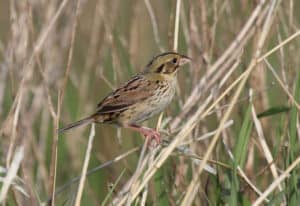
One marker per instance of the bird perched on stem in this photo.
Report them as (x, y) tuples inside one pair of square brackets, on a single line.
[(143, 96)]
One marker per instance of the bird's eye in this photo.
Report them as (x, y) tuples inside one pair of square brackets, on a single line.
[(174, 60)]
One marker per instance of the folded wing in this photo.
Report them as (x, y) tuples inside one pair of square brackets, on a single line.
[(136, 90)]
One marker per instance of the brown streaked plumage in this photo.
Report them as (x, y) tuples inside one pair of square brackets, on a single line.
[(143, 96)]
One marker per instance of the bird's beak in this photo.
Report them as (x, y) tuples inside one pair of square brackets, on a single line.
[(184, 60)]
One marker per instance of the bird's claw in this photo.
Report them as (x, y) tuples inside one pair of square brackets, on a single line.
[(152, 135)]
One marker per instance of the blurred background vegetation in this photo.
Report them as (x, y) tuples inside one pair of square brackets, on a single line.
[(114, 40)]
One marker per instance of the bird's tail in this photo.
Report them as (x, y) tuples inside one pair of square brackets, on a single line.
[(79, 123)]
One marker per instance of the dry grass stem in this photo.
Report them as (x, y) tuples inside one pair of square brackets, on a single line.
[(85, 166), (176, 27), (11, 173), (154, 25), (53, 169), (242, 173), (191, 191), (282, 84), (219, 146), (276, 182), (265, 146), (207, 135)]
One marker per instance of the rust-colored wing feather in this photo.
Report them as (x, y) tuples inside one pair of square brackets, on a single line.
[(133, 91)]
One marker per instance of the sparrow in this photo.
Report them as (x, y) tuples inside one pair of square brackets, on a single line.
[(141, 97)]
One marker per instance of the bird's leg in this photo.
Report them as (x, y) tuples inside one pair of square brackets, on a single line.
[(147, 132)]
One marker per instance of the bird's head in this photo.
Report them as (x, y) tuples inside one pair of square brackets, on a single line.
[(166, 64)]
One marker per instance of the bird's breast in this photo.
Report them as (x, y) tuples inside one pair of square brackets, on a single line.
[(161, 97)]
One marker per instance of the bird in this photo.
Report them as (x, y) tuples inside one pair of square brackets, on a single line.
[(144, 95)]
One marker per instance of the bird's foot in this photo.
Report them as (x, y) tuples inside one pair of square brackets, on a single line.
[(152, 135), (149, 134)]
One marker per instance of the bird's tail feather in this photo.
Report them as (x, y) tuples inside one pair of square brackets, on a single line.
[(79, 123)]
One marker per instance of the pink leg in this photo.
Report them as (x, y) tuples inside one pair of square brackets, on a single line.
[(147, 132)]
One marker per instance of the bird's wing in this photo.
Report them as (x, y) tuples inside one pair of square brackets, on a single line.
[(135, 90)]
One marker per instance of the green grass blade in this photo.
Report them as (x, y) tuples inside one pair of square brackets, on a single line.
[(293, 192), (240, 149), (273, 111)]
